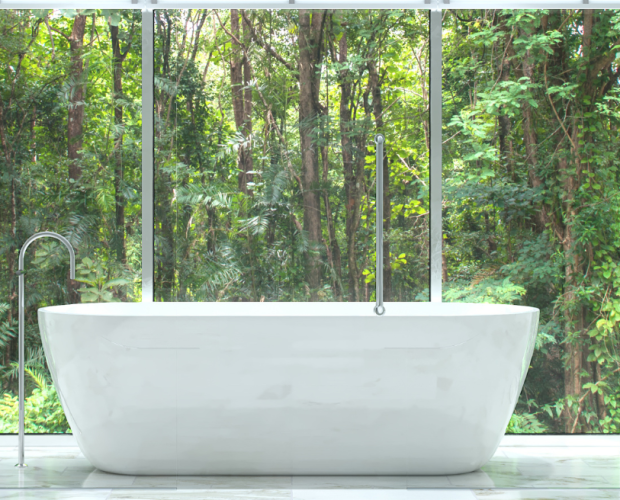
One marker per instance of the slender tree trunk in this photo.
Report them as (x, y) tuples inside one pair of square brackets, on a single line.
[(574, 320), (545, 214), (505, 125), (529, 134), (75, 117), (117, 61), (12, 252), (352, 188), (310, 56), (444, 267), (166, 245), (247, 106), (76, 97), (335, 259), (600, 398), (240, 77)]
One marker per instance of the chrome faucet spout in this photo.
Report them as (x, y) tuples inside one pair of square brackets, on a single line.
[(379, 308), (21, 340)]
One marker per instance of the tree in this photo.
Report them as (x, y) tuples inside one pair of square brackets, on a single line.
[(75, 120), (240, 78), (118, 57)]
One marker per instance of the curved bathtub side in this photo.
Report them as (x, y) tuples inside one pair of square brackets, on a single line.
[(46, 326), (524, 343), (119, 403), (504, 355), (243, 395)]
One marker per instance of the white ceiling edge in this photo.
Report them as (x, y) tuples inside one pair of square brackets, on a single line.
[(307, 4)]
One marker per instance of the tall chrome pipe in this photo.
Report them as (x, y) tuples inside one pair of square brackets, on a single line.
[(379, 308), (21, 341)]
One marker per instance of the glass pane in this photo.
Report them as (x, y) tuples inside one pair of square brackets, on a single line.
[(264, 154), (70, 129), (532, 199)]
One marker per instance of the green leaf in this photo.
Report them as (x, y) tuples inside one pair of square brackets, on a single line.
[(41, 13), (116, 282)]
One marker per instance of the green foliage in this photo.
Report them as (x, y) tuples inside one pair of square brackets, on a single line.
[(7, 329), (43, 411), (525, 423), (489, 290), (532, 187), (38, 85), (99, 289)]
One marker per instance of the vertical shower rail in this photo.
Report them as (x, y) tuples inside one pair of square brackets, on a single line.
[(379, 307), (148, 250), (436, 231)]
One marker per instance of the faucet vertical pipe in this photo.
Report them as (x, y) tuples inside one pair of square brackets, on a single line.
[(21, 339), (379, 308)]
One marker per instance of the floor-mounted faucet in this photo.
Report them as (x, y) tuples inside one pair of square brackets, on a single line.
[(20, 272), (379, 308)]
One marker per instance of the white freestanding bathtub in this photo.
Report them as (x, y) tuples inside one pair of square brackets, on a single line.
[(288, 388)]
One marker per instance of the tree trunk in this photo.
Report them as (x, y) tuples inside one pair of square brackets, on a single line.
[(545, 215), (352, 188), (310, 56), (76, 97), (117, 62), (240, 77), (600, 398), (335, 259), (247, 107), (574, 320), (505, 125), (165, 246)]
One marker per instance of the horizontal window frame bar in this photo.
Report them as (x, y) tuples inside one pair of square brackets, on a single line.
[(309, 4)]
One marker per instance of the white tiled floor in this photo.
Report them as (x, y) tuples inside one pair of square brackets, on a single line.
[(527, 468)]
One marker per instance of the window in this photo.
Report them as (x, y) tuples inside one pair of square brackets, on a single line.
[(264, 158), (264, 171)]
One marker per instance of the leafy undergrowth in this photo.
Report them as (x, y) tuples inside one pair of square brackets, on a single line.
[(43, 411)]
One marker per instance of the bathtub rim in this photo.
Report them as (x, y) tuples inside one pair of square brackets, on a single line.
[(288, 309)]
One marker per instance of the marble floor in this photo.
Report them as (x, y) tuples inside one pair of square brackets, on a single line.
[(524, 468)]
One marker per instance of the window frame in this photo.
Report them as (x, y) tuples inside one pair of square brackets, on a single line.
[(435, 176)]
